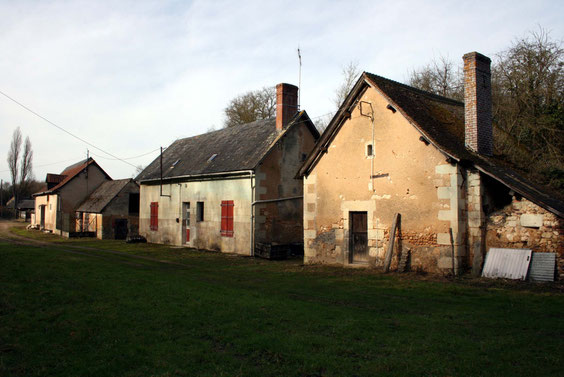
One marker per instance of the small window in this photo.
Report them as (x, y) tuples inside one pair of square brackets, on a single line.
[(154, 216), (133, 203), (227, 218), (369, 150), (200, 211)]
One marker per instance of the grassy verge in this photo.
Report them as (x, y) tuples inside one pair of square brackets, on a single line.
[(99, 314)]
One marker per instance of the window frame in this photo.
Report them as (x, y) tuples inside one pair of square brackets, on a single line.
[(200, 212)]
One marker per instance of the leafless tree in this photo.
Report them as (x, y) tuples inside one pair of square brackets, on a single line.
[(350, 74), (14, 159), (26, 166), (528, 96), (251, 106), (440, 77)]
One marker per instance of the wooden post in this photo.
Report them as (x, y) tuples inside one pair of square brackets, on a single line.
[(389, 252), (452, 251)]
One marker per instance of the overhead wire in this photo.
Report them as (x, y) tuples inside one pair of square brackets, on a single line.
[(62, 129)]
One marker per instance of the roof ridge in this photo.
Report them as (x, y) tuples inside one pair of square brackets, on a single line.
[(417, 90)]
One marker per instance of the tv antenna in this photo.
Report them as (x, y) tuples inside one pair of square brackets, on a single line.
[(299, 77)]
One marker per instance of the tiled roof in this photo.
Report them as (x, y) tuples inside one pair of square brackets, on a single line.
[(223, 151), (103, 195), (70, 172)]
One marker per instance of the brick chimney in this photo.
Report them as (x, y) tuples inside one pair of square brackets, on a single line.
[(286, 104), (478, 103)]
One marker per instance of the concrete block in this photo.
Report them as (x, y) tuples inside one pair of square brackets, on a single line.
[(444, 192), (310, 233), (445, 169), (339, 234), (446, 215), (443, 238), (531, 220), (373, 252)]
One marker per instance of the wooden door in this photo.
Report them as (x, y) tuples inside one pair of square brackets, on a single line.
[(358, 237), (186, 222)]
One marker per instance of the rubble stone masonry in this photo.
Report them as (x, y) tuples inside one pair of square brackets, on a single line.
[(523, 224)]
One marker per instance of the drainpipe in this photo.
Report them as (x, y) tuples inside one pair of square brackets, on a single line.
[(371, 116), (252, 220)]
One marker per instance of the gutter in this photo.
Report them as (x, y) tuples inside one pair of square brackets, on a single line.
[(198, 176)]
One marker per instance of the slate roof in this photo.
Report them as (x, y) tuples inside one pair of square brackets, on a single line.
[(70, 172), (103, 195), (26, 204), (227, 150), (440, 120)]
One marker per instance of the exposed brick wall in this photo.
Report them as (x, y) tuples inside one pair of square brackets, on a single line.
[(523, 224), (478, 103)]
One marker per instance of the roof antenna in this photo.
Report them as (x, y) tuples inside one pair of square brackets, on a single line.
[(300, 78)]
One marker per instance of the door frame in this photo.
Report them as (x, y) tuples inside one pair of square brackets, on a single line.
[(186, 227), (351, 237)]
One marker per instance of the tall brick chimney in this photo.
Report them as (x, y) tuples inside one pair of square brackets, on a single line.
[(478, 103), (286, 104)]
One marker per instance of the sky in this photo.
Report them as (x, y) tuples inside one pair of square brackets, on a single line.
[(129, 77)]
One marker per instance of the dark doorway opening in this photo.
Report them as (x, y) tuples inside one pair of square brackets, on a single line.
[(358, 226), (120, 230)]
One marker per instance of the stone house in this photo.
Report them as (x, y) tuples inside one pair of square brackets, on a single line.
[(55, 208), (231, 189), (394, 149), (111, 211)]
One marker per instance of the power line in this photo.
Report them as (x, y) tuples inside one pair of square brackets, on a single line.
[(62, 129), (129, 158)]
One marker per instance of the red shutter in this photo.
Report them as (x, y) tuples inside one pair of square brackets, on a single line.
[(227, 218), (154, 224)]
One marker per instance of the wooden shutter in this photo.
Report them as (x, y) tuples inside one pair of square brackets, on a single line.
[(227, 218), (154, 225)]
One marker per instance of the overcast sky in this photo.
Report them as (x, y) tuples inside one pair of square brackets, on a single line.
[(131, 76)]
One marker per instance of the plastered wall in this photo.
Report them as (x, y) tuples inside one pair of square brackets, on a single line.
[(411, 178), (205, 234)]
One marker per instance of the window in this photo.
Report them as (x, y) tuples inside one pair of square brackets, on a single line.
[(154, 216), (369, 151), (199, 211), (227, 218), (133, 203)]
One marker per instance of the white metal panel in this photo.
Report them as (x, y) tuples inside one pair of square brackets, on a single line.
[(542, 267), (507, 263)]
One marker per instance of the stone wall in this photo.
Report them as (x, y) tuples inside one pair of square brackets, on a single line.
[(523, 224)]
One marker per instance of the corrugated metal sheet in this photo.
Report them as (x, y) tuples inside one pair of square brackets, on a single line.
[(542, 267), (507, 263)]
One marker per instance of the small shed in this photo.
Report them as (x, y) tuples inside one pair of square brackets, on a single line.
[(111, 211)]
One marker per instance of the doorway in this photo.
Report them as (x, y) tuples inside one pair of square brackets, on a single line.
[(120, 231), (186, 221), (358, 227), (42, 217)]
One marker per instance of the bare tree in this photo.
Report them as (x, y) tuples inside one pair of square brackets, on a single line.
[(440, 77), (350, 74), (14, 159), (26, 166), (251, 106), (528, 96)]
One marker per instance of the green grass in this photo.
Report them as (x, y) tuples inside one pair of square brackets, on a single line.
[(208, 314)]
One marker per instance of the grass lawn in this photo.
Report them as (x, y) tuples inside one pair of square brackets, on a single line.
[(95, 313)]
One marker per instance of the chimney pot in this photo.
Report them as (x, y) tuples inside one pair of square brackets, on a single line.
[(478, 132), (286, 104)]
